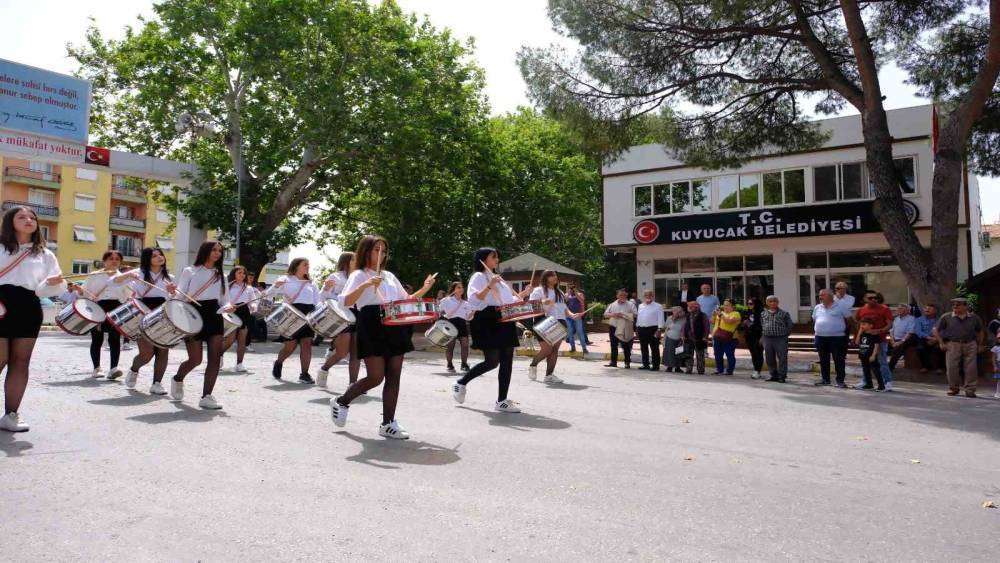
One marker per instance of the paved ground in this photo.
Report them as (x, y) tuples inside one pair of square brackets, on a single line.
[(614, 464)]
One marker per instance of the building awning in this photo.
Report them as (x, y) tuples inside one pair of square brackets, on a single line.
[(84, 234), (525, 262), (165, 243)]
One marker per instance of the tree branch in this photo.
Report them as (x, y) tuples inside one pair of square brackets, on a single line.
[(838, 81)]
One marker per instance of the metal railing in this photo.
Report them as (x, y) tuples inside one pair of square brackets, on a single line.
[(23, 172), (132, 191), (47, 210), (128, 222), (127, 249)]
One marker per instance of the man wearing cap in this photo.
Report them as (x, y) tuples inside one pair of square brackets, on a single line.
[(960, 333)]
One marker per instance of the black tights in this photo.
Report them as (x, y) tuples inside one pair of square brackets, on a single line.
[(147, 352), (194, 360), (377, 369), (464, 341), (502, 357), (550, 354), (15, 355), (97, 340)]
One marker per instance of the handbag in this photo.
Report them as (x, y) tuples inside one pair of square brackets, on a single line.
[(722, 336)]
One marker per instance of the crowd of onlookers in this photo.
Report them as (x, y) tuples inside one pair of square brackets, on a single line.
[(952, 341)]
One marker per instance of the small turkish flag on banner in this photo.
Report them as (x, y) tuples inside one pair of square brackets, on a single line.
[(97, 155)]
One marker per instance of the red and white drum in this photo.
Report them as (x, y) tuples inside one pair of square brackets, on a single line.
[(80, 316), (171, 323), (409, 312), (127, 317), (231, 322), (519, 311)]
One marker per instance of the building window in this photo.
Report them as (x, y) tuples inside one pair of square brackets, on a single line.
[(44, 231), (907, 168), (86, 174), (43, 167), (165, 243), (84, 234), (643, 200), (665, 266), (760, 262), (852, 180), (840, 182), (825, 183), (81, 267), (84, 202), (680, 197), (41, 197), (862, 259), (811, 260), (728, 192), (128, 246), (701, 195), (749, 190), (729, 264), (697, 265), (122, 212), (162, 216), (661, 199)]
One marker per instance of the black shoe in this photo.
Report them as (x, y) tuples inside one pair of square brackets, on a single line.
[(610, 365), (841, 385), (782, 380), (306, 378), (465, 367), (450, 368), (644, 367), (317, 341), (628, 366), (774, 379), (821, 383), (276, 370)]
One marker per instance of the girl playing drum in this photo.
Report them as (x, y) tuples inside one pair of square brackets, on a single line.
[(343, 344), (109, 295), (381, 347), (299, 292), (456, 310), (555, 306), (28, 271), (240, 293)]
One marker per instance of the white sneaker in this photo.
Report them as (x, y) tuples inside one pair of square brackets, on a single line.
[(458, 392), (338, 413), (321, 376), (127, 345), (11, 422), (208, 402), (249, 348), (888, 386), (551, 379), (115, 373), (176, 390), (98, 373), (157, 389), (240, 368), (131, 379), (532, 372), (755, 375), (393, 431), (506, 405)]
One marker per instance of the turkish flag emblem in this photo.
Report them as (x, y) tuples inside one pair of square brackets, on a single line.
[(97, 155), (646, 232)]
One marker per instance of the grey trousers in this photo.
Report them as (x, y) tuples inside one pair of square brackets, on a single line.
[(776, 354)]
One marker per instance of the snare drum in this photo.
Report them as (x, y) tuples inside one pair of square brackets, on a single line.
[(231, 322), (169, 324), (519, 311), (126, 318), (262, 308), (330, 318), (286, 320), (81, 316), (409, 312), (441, 333), (551, 330)]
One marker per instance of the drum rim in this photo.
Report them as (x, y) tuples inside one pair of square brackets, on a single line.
[(183, 305), (339, 308), (82, 300)]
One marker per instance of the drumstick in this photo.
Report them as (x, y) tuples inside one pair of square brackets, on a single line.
[(531, 280), (378, 272), (503, 281), (154, 286)]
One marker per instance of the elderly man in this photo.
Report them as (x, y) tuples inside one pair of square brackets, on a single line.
[(621, 316), (928, 347), (830, 328), (961, 336), (902, 335), (841, 297), (648, 325), (696, 331), (707, 302), (775, 326)]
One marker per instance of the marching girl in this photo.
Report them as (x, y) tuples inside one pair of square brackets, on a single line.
[(381, 347), (496, 339), (28, 271), (456, 310), (154, 292), (205, 283), (554, 303), (240, 294), (344, 344), (298, 291), (109, 295)]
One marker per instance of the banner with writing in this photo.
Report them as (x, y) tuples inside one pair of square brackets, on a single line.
[(44, 103)]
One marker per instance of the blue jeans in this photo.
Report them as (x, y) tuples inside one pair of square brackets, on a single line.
[(727, 349), (883, 362), (575, 326)]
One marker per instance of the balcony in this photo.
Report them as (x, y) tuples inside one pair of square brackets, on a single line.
[(31, 177), (129, 193), (44, 212), (130, 251), (128, 224)]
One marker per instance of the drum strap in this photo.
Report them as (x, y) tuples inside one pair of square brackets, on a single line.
[(215, 276), (299, 292), (148, 288), (14, 263), (240, 294)]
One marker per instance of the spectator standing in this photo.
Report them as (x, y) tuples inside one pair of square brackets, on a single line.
[(991, 332), (752, 330), (649, 323), (928, 347), (961, 335), (868, 343), (673, 338), (621, 315), (574, 327), (841, 297), (829, 328), (725, 321), (707, 302), (695, 333), (880, 318), (776, 324), (903, 334), (683, 295)]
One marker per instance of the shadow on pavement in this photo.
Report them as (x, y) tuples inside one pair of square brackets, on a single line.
[(88, 381), (183, 413), (381, 453), (521, 421), (288, 386), (11, 446), (134, 398), (568, 387)]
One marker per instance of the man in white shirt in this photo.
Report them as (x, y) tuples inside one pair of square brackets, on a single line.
[(621, 316), (902, 335), (683, 296), (648, 325)]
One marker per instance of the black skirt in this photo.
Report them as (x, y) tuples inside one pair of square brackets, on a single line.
[(24, 312), (376, 339), (462, 325), (488, 333), (108, 305), (152, 303), (211, 320), (243, 312)]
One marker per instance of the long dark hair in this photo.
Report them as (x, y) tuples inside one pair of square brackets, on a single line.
[(452, 286), (365, 246), (480, 256), (232, 275), (205, 250), (293, 267), (344, 262), (545, 284), (8, 236), (146, 263)]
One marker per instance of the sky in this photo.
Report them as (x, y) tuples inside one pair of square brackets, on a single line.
[(42, 28)]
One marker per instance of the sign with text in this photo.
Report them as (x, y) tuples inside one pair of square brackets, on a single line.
[(34, 147), (45, 103), (802, 221)]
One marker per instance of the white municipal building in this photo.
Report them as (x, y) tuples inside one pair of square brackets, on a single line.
[(783, 224)]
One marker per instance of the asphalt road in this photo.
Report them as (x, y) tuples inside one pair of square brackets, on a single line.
[(612, 465)]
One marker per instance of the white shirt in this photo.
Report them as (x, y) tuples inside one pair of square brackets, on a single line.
[(626, 308), (499, 295), (455, 308), (389, 290), (103, 287), (830, 321), (32, 272), (141, 289), (339, 280), (650, 314), (903, 325), (847, 301), (295, 290), (240, 293), (194, 278), (557, 310)]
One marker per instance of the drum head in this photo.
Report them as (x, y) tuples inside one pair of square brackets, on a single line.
[(89, 310), (233, 318), (448, 328), (341, 310), (183, 315)]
